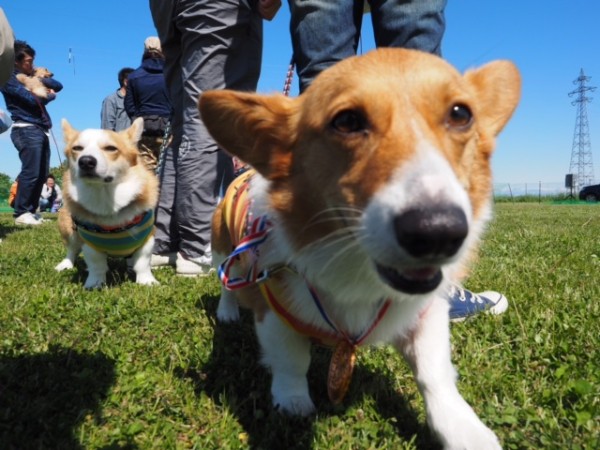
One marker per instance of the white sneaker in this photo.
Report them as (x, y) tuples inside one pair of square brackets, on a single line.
[(168, 259), (194, 267), (27, 219)]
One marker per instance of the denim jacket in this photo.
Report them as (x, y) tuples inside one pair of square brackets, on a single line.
[(23, 106)]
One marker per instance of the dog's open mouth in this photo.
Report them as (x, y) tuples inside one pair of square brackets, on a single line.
[(411, 281), (94, 177)]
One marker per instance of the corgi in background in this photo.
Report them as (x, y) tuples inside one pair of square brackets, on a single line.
[(109, 201)]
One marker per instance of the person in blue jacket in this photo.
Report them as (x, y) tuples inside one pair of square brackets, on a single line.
[(29, 134), (147, 97)]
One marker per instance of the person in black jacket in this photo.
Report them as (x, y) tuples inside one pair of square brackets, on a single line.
[(147, 97)]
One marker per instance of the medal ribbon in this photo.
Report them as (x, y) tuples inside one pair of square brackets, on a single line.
[(257, 235), (358, 340)]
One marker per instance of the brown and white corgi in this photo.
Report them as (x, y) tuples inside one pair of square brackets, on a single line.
[(371, 191), (109, 201)]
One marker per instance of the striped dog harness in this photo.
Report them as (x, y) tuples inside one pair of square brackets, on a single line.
[(119, 241)]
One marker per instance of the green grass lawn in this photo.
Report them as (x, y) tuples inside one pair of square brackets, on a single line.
[(136, 367)]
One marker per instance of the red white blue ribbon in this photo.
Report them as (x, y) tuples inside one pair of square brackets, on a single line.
[(257, 234), (357, 340)]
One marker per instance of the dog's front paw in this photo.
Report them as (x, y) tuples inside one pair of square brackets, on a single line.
[(462, 429), (294, 405), (65, 264), (228, 310), (471, 437), (290, 394), (94, 283), (146, 279)]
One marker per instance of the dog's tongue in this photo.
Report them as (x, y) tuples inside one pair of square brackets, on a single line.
[(422, 274), (412, 281)]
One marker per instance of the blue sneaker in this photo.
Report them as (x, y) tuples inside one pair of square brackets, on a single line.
[(464, 303)]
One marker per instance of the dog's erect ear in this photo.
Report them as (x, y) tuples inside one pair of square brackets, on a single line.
[(134, 132), (255, 128), (498, 88), (68, 131)]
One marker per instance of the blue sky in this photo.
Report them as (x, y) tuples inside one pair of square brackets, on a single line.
[(550, 41)]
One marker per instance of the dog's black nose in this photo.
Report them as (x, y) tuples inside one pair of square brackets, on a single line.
[(87, 163), (431, 232)]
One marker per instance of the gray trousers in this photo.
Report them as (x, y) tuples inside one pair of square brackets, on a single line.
[(207, 45)]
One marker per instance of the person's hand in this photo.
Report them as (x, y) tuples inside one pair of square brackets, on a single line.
[(268, 8)]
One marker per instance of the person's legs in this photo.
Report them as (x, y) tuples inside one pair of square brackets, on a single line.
[(414, 24), (45, 204), (166, 238), (34, 152), (323, 32), (221, 48)]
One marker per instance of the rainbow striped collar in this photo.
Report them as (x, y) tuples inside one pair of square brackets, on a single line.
[(118, 241)]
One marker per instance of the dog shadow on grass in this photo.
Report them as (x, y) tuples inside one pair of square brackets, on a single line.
[(44, 397), (233, 377)]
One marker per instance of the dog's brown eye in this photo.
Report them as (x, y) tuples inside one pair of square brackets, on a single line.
[(460, 116), (349, 122), (110, 148), (77, 148)]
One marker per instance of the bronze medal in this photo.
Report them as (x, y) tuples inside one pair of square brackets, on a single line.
[(340, 371)]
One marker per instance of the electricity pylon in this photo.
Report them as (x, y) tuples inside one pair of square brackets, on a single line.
[(581, 153)]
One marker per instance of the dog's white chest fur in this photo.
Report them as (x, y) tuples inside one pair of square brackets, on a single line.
[(107, 200)]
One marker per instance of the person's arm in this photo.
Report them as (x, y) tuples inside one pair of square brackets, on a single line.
[(7, 52), (45, 192), (14, 89), (129, 101), (53, 86), (108, 117)]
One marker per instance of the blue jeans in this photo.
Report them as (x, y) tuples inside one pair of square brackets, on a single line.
[(327, 31), (45, 205), (34, 151)]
